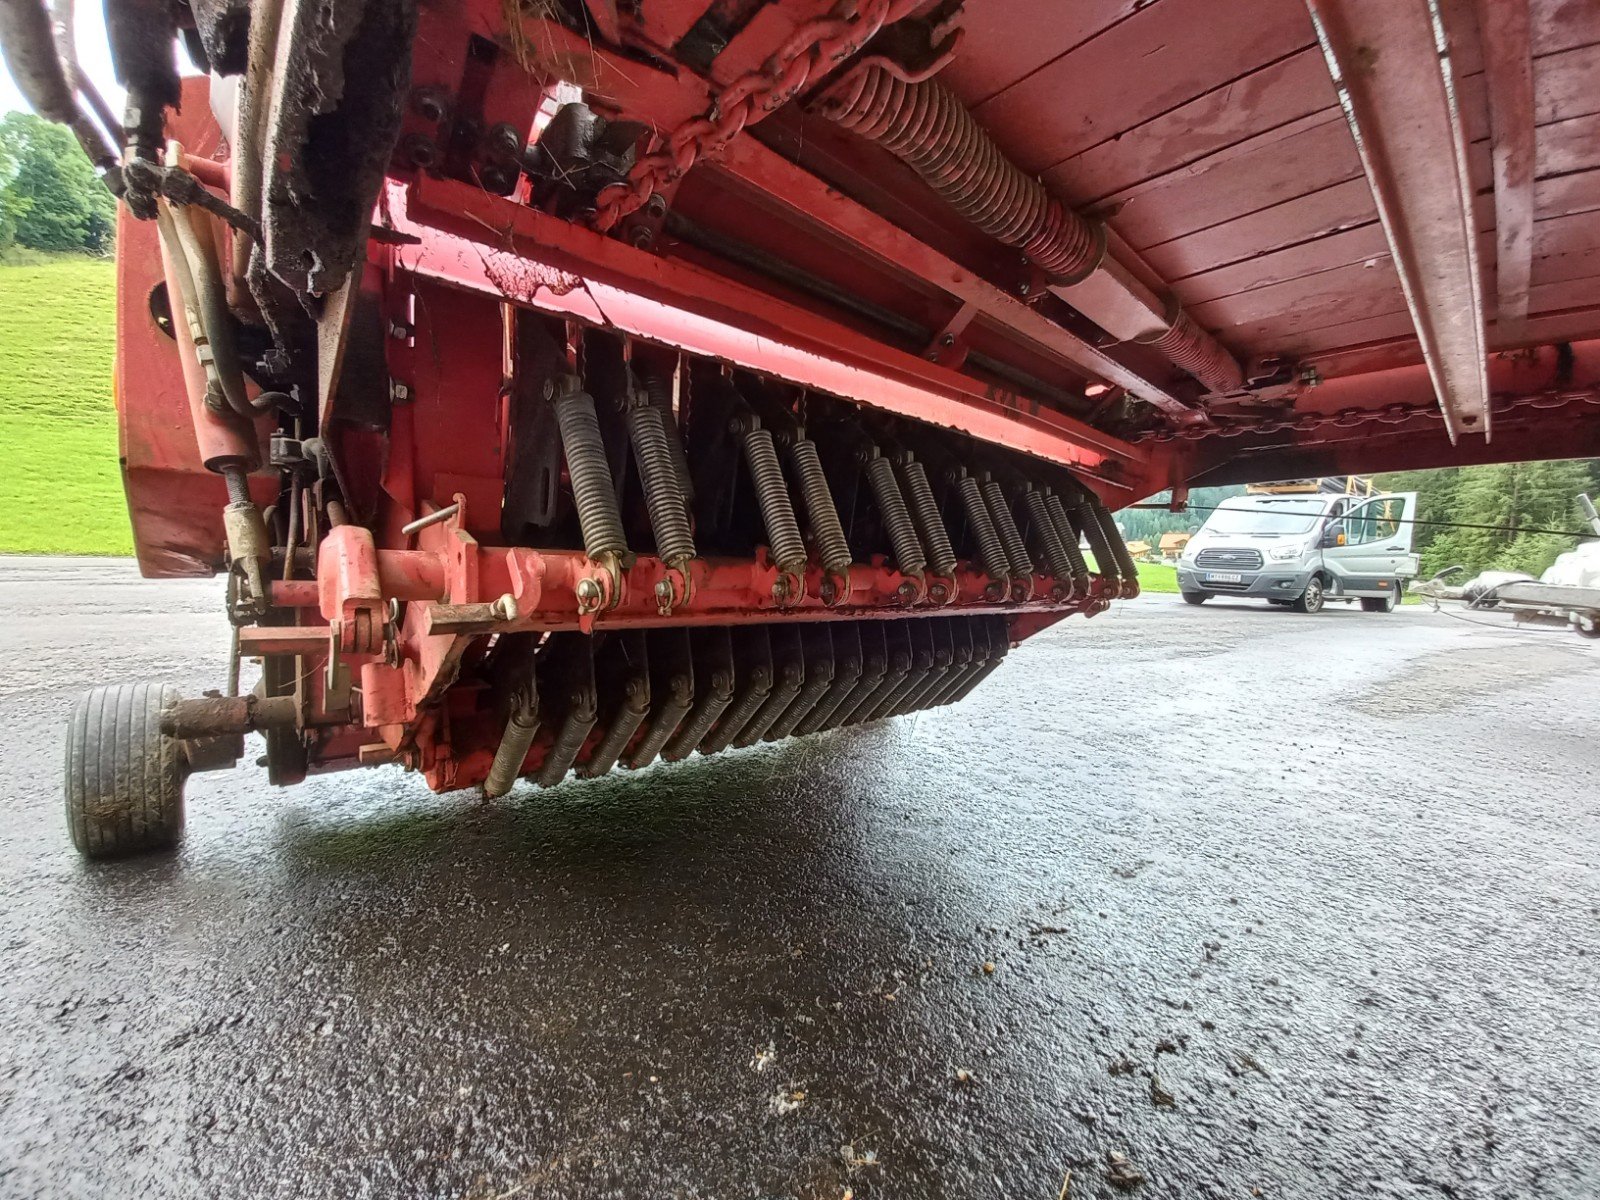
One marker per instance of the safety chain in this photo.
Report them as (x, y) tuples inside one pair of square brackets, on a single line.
[(1352, 418), (813, 50)]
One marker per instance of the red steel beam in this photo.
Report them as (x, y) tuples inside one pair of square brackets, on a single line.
[(1396, 87), (486, 243), (802, 196), (1508, 71)]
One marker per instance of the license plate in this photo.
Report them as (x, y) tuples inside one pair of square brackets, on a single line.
[(1224, 577)]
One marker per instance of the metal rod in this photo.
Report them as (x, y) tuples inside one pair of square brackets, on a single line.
[(433, 518)]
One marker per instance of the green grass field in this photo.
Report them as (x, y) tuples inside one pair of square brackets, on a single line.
[(1153, 577), (60, 489)]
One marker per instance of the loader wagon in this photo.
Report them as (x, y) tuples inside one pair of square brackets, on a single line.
[(567, 385)]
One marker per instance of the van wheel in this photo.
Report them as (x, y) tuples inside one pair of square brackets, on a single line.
[(1381, 603), (1196, 597), (1310, 600)]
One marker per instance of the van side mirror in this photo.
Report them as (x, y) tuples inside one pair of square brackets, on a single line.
[(1332, 536)]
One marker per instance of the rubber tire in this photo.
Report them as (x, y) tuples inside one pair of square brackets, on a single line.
[(124, 785), (1310, 600), (1196, 597), (1382, 604)]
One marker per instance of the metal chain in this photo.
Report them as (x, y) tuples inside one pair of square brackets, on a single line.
[(1352, 418), (813, 50)]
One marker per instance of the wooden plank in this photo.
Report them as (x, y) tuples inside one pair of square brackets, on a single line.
[(1311, 258), (1560, 24), (1574, 193), (1566, 146), (1158, 59), (1508, 71), (1272, 174), (1345, 294), (1223, 119), (1342, 206), (993, 56)]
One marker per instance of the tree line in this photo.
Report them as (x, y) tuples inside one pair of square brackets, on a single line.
[(1513, 499), (50, 197)]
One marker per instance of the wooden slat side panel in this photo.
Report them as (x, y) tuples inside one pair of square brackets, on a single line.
[(1208, 125), (1008, 40), (1158, 59)]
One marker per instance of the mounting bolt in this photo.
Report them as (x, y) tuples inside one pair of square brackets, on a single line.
[(399, 393), (419, 150), (589, 595), (938, 593), (907, 591), (400, 331), (505, 608)]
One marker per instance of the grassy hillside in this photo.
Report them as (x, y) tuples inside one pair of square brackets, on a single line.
[(60, 489)]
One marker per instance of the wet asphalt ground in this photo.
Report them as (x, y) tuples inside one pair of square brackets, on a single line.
[(1269, 904)]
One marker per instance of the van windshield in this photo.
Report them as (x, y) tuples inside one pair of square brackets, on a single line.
[(1278, 517)]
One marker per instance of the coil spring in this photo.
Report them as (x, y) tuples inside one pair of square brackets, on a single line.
[(574, 732), (693, 731), (1188, 346), (521, 725), (896, 519), (658, 390), (1094, 533), (928, 127), (1068, 533), (930, 523), (663, 495), (738, 716), (1006, 527), (1044, 530), (1119, 550), (630, 715), (664, 722), (783, 530), (990, 550), (833, 551), (592, 490)]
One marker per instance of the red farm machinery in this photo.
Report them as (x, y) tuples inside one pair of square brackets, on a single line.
[(565, 385)]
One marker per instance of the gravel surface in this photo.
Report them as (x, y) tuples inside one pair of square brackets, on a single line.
[(1234, 900)]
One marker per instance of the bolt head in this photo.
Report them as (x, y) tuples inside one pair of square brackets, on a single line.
[(907, 591), (938, 593)]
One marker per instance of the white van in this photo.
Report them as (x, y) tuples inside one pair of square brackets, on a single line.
[(1302, 551)]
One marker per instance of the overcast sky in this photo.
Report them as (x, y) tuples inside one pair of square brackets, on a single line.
[(93, 55)]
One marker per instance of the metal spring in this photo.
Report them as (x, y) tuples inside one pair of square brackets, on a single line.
[(930, 522), (1119, 551), (712, 705), (833, 551), (1006, 527), (663, 494), (1068, 533), (1044, 532), (658, 389), (866, 684), (778, 700), (990, 551), (630, 715), (783, 530), (755, 694), (1094, 533), (1188, 346), (816, 685), (843, 684), (908, 557), (574, 732), (928, 127), (521, 725), (592, 489), (664, 722)]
